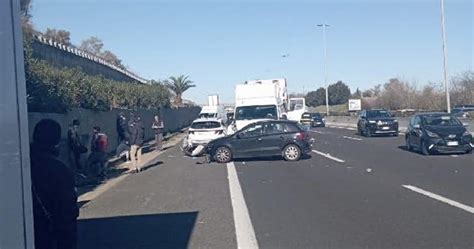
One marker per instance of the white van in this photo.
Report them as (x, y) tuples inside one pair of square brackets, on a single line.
[(217, 112)]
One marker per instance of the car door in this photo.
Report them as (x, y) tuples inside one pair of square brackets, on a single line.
[(247, 142), (272, 139), (361, 123), (416, 132)]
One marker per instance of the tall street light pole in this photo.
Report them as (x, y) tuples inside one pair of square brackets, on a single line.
[(324, 25), (445, 59)]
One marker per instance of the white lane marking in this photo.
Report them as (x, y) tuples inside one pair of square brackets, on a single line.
[(244, 231), (327, 155), (352, 138), (440, 198), (350, 128), (454, 156), (319, 132)]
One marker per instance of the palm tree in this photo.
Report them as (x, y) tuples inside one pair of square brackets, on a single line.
[(178, 86)]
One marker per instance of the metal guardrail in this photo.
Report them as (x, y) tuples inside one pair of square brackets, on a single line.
[(89, 56)]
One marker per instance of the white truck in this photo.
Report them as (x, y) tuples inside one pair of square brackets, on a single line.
[(257, 100), (213, 109), (296, 108)]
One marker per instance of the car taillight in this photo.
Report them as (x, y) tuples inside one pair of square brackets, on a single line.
[(300, 136)]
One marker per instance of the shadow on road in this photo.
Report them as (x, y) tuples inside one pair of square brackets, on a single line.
[(171, 230), (272, 158)]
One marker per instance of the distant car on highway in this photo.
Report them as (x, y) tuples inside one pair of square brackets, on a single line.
[(377, 122), (262, 139), (437, 132), (201, 132), (463, 111), (317, 120)]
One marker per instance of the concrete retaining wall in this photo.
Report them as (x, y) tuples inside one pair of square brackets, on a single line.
[(174, 120)]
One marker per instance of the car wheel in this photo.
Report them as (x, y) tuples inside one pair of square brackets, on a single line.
[(292, 152), (223, 155), (424, 149), (367, 132), (408, 145), (469, 151)]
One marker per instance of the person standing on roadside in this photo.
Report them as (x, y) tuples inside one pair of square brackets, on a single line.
[(158, 128), (55, 209), (97, 162), (76, 148), (121, 126), (137, 137)]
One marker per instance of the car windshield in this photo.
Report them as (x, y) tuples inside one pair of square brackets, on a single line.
[(208, 115), (444, 120), (205, 125), (306, 115), (256, 112), (378, 114)]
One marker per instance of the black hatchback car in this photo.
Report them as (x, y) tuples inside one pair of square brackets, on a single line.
[(377, 122), (262, 139), (437, 132)]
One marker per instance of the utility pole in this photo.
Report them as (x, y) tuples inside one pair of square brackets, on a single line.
[(445, 59), (324, 25)]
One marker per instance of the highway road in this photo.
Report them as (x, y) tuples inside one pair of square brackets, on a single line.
[(352, 192)]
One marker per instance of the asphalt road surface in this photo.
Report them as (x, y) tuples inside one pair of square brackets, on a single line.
[(352, 192)]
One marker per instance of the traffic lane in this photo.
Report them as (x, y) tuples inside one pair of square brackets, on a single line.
[(186, 202), (319, 203), (442, 174)]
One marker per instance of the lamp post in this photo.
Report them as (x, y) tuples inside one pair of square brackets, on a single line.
[(445, 59), (324, 25)]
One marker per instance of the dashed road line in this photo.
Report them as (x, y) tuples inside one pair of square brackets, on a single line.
[(319, 132), (327, 155), (352, 138), (440, 198), (350, 128), (244, 231)]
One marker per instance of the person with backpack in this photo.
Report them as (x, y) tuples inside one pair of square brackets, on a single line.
[(55, 209), (98, 156)]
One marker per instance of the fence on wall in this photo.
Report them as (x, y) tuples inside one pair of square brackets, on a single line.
[(62, 55)]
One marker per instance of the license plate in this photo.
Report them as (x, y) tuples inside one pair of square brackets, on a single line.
[(453, 143), (385, 128)]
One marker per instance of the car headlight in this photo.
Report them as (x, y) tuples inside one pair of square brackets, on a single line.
[(466, 133), (431, 134), (395, 121), (372, 121)]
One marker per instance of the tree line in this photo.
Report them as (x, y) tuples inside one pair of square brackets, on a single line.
[(398, 94)]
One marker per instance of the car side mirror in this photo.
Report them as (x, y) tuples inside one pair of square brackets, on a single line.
[(417, 126), (284, 117), (465, 125)]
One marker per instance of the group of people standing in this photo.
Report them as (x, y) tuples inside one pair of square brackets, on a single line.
[(55, 209), (131, 135)]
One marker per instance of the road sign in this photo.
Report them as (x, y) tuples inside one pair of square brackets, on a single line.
[(355, 105)]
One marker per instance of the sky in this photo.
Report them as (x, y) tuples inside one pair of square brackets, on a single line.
[(223, 43)]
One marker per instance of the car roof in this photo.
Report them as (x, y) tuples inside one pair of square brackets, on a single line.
[(432, 114), (206, 120)]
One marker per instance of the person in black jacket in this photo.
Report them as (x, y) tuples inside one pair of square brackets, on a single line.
[(55, 208), (76, 148), (137, 136), (121, 126)]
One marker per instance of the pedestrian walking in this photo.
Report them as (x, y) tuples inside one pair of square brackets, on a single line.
[(121, 127), (76, 148), (158, 128), (97, 162), (137, 137), (55, 208)]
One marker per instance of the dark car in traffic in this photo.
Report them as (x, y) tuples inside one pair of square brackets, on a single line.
[(377, 122), (437, 133), (288, 139), (312, 119)]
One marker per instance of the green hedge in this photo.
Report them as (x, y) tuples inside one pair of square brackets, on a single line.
[(52, 89)]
